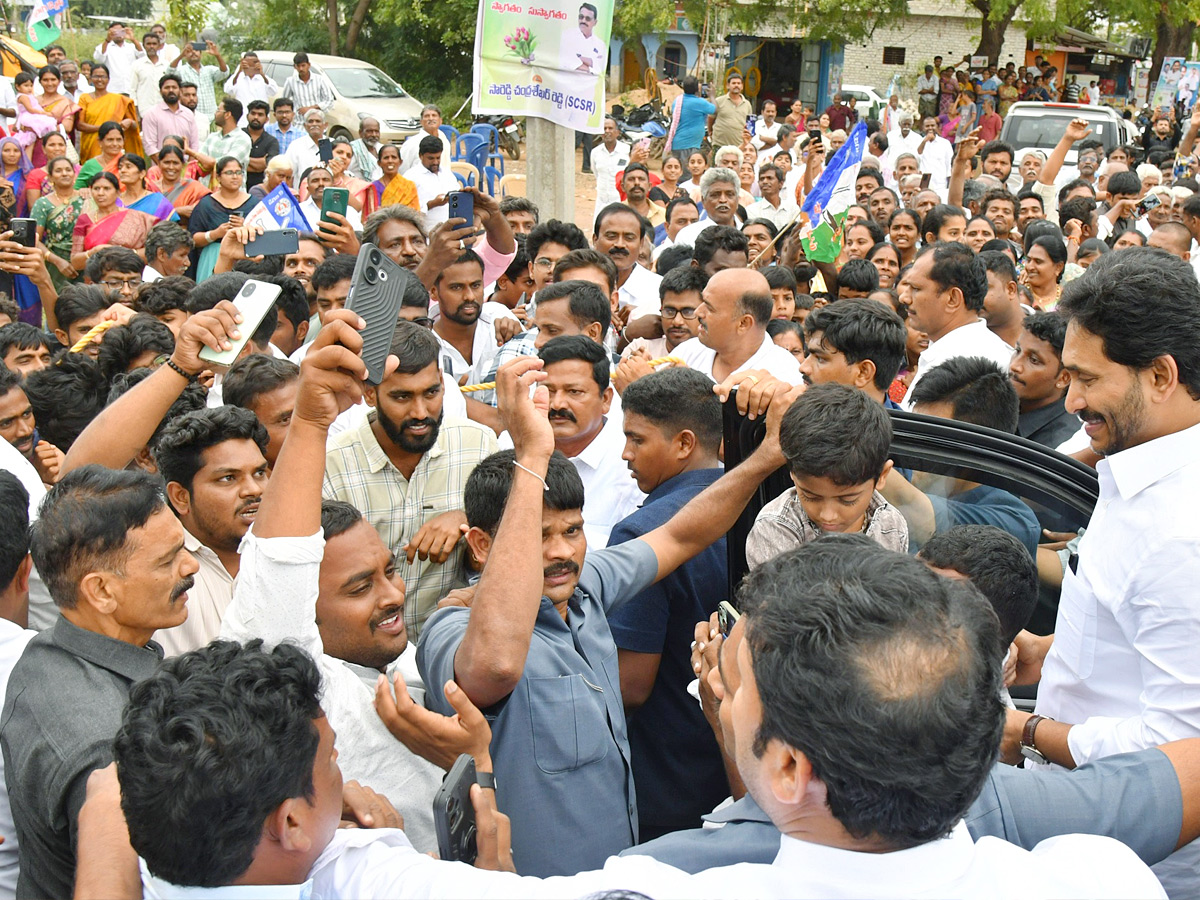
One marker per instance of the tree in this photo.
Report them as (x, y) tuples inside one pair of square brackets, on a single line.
[(1042, 18), (1172, 22)]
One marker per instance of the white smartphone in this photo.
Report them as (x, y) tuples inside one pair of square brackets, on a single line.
[(253, 301)]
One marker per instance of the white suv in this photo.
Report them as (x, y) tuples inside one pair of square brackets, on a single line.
[(1039, 126)]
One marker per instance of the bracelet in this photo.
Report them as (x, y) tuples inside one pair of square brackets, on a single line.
[(171, 364), (545, 487)]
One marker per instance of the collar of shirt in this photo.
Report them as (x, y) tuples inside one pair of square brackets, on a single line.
[(1137, 468), (1028, 423), (606, 447), (744, 810), (377, 459), (204, 554), (640, 288), (124, 659), (953, 343), (684, 481), (156, 888)]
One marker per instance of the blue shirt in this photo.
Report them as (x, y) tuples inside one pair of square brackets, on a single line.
[(559, 742), (676, 762), (285, 138), (693, 121), (986, 505)]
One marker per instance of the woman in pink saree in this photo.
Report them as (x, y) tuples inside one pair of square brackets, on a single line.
[(108, 225)]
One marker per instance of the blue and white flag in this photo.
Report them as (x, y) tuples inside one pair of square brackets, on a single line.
[(279, 209), (833, 194)]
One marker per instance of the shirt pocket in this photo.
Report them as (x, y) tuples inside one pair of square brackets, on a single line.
[(570, 728), (1075, 632)]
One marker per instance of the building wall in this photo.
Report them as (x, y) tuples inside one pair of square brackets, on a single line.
[(935, 27)]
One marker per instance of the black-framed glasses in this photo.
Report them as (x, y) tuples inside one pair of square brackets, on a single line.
[(670, 312)]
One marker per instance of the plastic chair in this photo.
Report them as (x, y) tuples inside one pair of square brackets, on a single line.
[(512, 186), (450, 132), (493, 176), (466, 173), (461, 180), (493, 138), (472, 148)]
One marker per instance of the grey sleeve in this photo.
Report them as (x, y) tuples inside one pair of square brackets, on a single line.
[(1133, 797), (615, 574)]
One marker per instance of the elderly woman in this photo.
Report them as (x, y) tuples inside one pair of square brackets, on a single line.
[(279, 170)]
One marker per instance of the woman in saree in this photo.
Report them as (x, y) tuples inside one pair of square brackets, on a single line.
[(108, 225), (224, 208), (392, 188), (1008, 93), (55, 102), (174, 184), (191, 170), (947, 92), (37, 182), (15, 165), (112, 148), (100, 107), (131, 173), (362, 195), (56, 213)]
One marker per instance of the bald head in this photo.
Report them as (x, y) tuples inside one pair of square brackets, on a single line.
[(1174, 237)]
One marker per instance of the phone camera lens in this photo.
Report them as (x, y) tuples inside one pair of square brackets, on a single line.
[(248, 289), (383, 276), (370, 276)]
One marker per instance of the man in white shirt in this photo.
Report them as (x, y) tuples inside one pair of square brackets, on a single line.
[(318, 179), (903, 139), (119, 50), (468, 344), (431, 120), (250, 82), (948, 286), (936, 155), (147, 70), (733, 337), (581, 49), (304, 152), (766, 133), (719, 201), (773, 206), (618, 235), (1120, 670), (309, 90), (927, 93), (608, 158), (432, 181)]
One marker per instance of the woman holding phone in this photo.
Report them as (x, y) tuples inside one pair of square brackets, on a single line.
[(215, 214)]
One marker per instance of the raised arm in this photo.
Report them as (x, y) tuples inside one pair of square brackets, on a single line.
[(961, 170), (1077, 130), (491, 658)]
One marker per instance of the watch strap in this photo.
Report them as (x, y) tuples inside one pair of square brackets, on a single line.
[(1028, 732), (486, 780)]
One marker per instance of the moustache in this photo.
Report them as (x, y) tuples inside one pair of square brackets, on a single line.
[(618, 251), (417, 423), (386, 614), (182, 588), (562, 414), (1092, 418), (253, 501), (568, 567)]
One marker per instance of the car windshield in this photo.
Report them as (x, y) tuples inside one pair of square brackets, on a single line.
[(360, 82), (1041, 129)]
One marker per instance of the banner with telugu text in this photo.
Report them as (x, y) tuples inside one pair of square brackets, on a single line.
[(543, 59)]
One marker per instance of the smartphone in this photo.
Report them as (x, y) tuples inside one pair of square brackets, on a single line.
[(727, 617), (334, 200), (462, 205), (376, 290), (1144, 206), (453, 814), (24, 231), (925, 179), (253, 301), (199, 46), (274, 243), (325, 149), (644, 144)]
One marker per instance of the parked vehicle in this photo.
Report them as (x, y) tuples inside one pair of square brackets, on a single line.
[(362, 91), (868, 103), (1040, 126), (510, 129), (646, 123)]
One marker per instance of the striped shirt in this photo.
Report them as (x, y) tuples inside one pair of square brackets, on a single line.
[(317, 91), (205, 79), (285, 138), (358, 471)]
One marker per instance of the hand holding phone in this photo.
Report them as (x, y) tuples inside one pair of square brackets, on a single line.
[(325, 149), (274, 243), (253, 301), (454, 815), (24, 231), (462, 205), (334, 200), (376, 291)]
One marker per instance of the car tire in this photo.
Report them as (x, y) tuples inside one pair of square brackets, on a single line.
[(512, 145), (340, 132)]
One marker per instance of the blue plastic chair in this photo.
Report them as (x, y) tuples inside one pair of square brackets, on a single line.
[(492, 175), (462, 179), (472, 148), (493, 138), (450, 132)]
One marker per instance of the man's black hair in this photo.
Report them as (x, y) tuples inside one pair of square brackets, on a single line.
[(860, 329), (282, 101), (873, 174), (582, 259), (23, 336), (257, 105), (992, 148), (520, 204), (584, 349), (677, 399), (1001, 195), (157, 298), (79, 301), (554, 231), (996, 563), (84, 525), (467, 256), (682, 280), (179, 453), (1028, 194), (612, 209), (125, 343), (121, 260), (233, 107), (14, 526), (520, 262), (228, 727), (66, 397), (1082, 209), (586, 303), (338, 517), (254, 375), (937, 217), (487, 488), (416, 347), (1091, 144), (977, 391), (415, 293), (858, 275), (1126, 183), (1110, 300), (1036, 229), (999, 262), (1049, 326), (836, 432), (292, 302), (956, 265), (841, 624), (1072, 186), (780, 277), (676, 256), (168, 237), (193, 398), (431, 143), (339, 267), (777, 327), (214, 289), (262, 269), (718, 237)]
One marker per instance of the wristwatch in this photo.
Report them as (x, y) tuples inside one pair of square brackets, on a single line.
[(1028, 750)]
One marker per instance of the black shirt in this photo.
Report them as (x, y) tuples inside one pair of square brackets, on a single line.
[(1050, 425), (263, 148)]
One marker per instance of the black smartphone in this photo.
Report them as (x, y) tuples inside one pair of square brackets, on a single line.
[(325, 149), (453, 814), (376, 290), (24, 231), (925, 179), (199, 46), (462, 205), (274, 243), (727, 617)]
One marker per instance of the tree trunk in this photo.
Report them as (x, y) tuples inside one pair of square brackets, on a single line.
[(332, 7), (991, 30), (1170, 39), (356, 24)]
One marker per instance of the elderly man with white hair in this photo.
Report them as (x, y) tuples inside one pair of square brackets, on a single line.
[(1150, 175), (719, 189), (903, 139), (304, 153)]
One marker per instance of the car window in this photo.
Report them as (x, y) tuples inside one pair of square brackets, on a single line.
[(1043, 129), (358, 83)]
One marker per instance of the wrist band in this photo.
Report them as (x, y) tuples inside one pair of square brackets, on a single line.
[(171, 364), (545, 487), (486, 779)]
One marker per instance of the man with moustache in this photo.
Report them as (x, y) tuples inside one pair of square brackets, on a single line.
[(458, 290), (1119, 672)]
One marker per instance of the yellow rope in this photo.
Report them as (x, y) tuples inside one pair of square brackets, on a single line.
[(94, 332), (491, 385)]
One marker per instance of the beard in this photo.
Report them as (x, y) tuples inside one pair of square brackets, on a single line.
[(170, 99), (1123, 424), (409, 443)]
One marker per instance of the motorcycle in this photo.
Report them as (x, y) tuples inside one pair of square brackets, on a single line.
[(510, 129), (646, 123)]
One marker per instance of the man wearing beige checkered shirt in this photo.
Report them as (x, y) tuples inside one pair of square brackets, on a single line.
[(406, 469)]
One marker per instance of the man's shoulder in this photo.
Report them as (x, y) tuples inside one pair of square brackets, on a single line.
[(1071, 864), (467, 433)]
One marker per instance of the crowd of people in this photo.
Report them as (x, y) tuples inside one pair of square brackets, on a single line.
[(226, 588)]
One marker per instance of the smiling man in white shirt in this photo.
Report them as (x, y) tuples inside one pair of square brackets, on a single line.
[(1121, 670), (948, 285)]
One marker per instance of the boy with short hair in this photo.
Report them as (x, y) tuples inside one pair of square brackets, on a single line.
[(783, 291), (79, 308), (836, 442), (23, 348)]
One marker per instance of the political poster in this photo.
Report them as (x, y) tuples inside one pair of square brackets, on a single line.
[(1168, 82), (831, 198), (543, 59), (1189, 86)]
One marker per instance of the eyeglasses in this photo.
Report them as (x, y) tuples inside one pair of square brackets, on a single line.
[(670, 312), (544, 262), (238, 172), (122, 285)]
